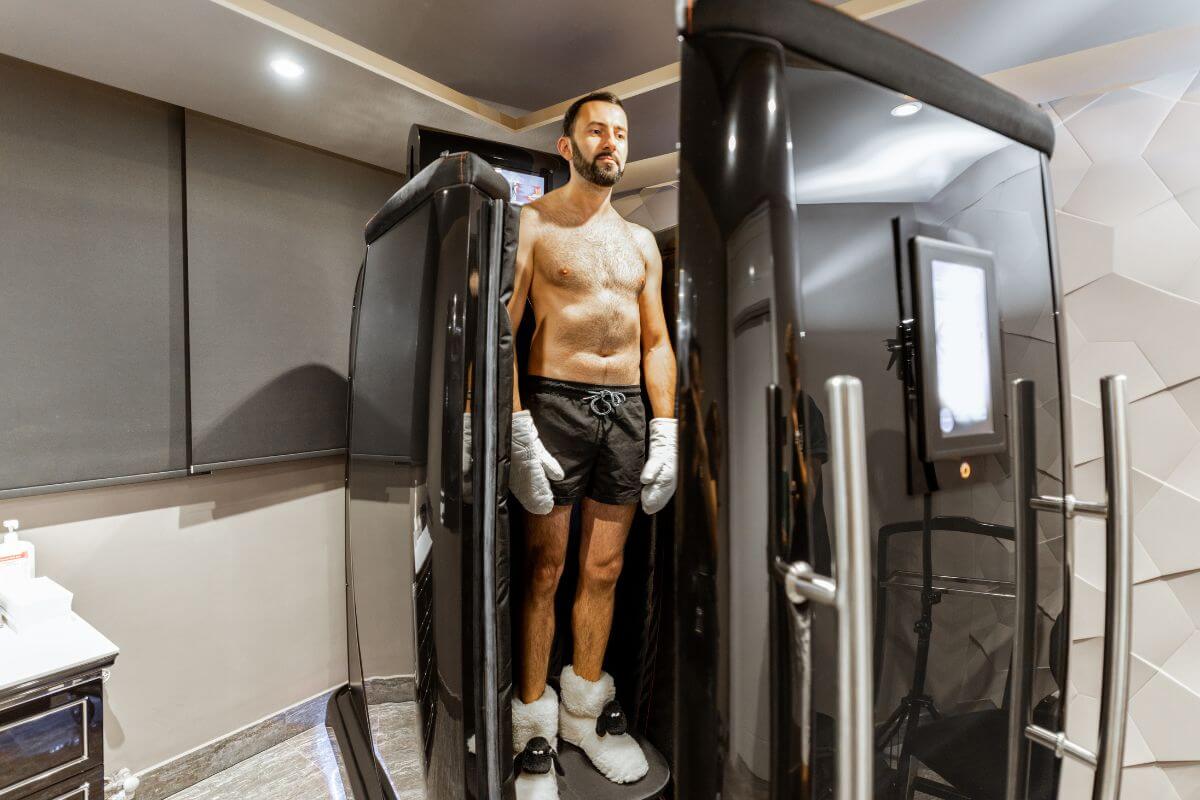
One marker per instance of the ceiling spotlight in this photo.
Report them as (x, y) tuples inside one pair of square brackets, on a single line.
[(907, 109), (286, 68)]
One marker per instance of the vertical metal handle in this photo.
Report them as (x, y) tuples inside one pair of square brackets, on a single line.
[(1118, 623), (855, 725), (848, 590), (1022, 447), (1118, 587)]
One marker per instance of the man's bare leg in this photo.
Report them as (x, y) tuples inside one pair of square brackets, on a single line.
[(601, 554), (545, 554)]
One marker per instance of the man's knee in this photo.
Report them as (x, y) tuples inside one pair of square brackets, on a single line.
[(602, 574), (546, 568)]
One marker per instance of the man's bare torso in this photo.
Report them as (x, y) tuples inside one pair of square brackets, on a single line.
[(587, 279)]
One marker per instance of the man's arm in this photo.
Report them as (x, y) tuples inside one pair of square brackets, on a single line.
[(522, 279), (658, 359)]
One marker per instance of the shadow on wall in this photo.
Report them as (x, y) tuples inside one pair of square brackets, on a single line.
[(302, 410), (200, 498)]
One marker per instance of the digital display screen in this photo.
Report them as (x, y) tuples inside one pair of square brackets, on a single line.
[(525, 187), (964, 371)]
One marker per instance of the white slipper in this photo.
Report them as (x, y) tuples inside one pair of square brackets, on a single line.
[(535, 767), (591, 719)]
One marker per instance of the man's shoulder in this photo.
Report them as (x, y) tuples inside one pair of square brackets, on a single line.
[(641, 234), (533, 215)]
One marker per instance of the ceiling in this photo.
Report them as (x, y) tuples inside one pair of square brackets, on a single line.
[(376, 67), (856, 151), (524, 54), (991, 35)]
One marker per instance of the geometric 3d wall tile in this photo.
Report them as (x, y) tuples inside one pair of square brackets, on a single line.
[(1169, 528), (1172, 153), (1068, 166), (1166, 712), (1184, 663), (1160, 624), (1094, 360), (1161, 247), (1118, 123), (1085, 249), (1161, 434), (1113, 192)]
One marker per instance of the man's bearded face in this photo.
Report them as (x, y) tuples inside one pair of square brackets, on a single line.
[(600, 143), (603, 169)]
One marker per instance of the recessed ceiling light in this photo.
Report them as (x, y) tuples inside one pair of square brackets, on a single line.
[(907, 109), (286, 68)]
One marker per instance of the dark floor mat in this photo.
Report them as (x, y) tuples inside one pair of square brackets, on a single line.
[(583, 782)]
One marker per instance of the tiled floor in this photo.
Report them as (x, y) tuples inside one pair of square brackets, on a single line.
[(308, 766), (394, 727), (304, 767)]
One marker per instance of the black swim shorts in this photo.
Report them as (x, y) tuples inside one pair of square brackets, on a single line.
[(597, 434)]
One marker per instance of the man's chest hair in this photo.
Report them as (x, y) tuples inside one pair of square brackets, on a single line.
[(590, 257)]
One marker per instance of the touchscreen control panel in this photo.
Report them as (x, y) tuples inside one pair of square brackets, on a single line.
[(958, 350)]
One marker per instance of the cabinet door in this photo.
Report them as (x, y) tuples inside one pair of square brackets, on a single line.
[(50, 739), (80, 787)]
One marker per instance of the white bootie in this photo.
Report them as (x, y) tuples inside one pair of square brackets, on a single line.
[(536, 762), (590, 719)]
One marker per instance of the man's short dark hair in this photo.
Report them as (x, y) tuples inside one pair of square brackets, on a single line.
[(573, 111)]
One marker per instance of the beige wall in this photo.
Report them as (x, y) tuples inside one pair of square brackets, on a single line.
[(225, 593), (1127, 186)]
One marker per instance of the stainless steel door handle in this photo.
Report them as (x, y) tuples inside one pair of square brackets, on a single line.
[(849, 591), (1118, 628)]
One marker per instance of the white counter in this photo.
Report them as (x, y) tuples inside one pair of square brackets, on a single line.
[(49, 648)]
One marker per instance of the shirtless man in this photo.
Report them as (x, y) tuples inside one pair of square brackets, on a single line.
[(595, 282)]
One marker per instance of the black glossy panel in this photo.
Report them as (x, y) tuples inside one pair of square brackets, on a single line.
[(801, 193), (391, 370), (416, 484)]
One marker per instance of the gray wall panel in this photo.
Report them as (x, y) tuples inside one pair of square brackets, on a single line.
[(274, 245), (92, 373)]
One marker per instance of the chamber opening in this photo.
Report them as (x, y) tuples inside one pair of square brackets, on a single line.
[(639, 651)]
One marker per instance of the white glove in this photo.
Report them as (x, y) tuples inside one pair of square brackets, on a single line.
[(466, 442), (532, 466), (658, 476)]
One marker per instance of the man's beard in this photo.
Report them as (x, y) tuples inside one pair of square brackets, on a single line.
[(593, 172)]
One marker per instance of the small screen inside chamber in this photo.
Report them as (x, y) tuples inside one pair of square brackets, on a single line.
[(964, 381), (525, 187)]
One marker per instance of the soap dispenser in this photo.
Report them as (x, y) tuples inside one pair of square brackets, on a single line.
[(16, 556)]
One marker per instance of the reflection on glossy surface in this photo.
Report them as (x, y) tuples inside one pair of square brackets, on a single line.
[(410, 513), (800, 193)]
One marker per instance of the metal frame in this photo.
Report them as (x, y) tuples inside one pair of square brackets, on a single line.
[(850, 592), (1117, 512), (86, 788), (197, 469)]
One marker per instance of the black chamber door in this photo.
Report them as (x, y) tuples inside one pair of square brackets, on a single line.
[(800, 193), (415, 519)]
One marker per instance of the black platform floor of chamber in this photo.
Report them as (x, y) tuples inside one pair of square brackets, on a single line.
[(583, 782)]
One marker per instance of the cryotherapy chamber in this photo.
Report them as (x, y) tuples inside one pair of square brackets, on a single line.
[(433, 550), (862, 587), (873, 514)]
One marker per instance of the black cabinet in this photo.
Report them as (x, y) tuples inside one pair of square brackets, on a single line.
[(89, 786), (52, 740)]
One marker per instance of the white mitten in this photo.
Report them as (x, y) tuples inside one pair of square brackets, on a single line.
[(658, 476), (466, 442), (532, 466)]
